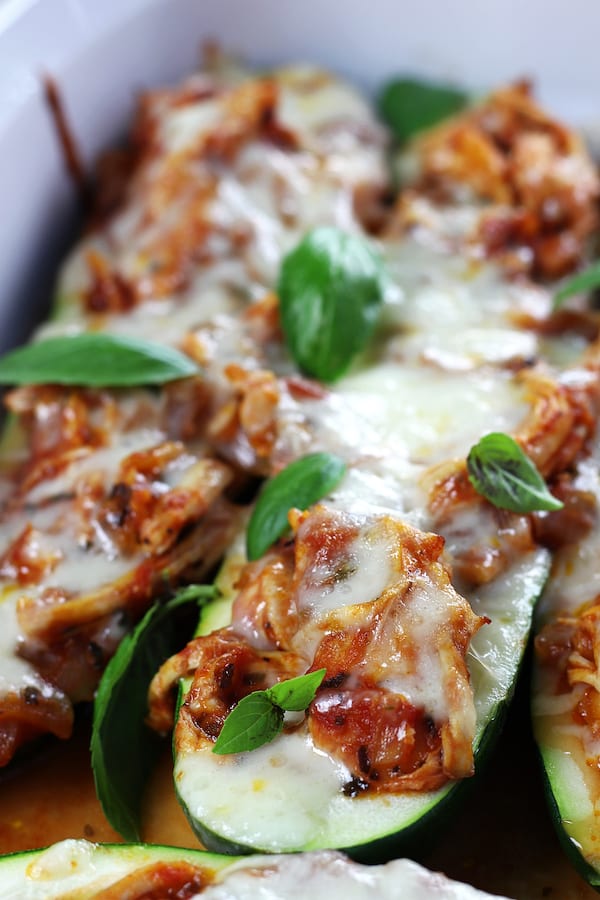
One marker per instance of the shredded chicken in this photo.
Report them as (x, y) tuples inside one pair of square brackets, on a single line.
[(540, 185), (554, 435), (569, 647), (61, 426), (47, 613), (368, 712)]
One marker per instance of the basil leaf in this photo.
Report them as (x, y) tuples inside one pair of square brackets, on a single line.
[(300, 484), (203, 593), (501, 472), (409, 105), (258, 717), (588, 280), (330, 290), (296, 694), (253, 722), (123, 748), (94, 360)]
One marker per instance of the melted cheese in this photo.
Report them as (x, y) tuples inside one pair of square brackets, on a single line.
[(421, 413), (105, 461), (575, 573), (328, 876), (15, 673), (272, 195), (437, 377), (287, 795), (367, 572), (423, 682)]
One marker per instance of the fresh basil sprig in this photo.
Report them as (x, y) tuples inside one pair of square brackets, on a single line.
[(501, 472), (588, 280), (123, 748), (409, 105), (331, 287), (258, 717), (94, 359), (300, 484)]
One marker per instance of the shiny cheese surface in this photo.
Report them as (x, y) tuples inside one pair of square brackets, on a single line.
[(328, 876), (421, 413)]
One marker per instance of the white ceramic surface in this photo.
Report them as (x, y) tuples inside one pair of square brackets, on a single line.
[(103, 51)]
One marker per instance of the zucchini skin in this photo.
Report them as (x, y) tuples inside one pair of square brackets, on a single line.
[(415, 837), (152, 851), (570, 846), (18, 875), (413, 841)]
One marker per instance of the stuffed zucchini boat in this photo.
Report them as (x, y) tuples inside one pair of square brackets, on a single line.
[(99, 872), (113, 496), (566, 716), (294, 795)]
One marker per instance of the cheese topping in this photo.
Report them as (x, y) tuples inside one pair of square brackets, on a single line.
[(327, 876), (124, 493)]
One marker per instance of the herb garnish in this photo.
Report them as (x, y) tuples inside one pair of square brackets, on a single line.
[(409, 105), (300, 484), (123, 748), (501, 472), (258, 717), (94, 359), (330, 288), (588, 280)]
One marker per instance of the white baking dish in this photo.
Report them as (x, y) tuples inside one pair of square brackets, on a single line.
[(102, 52)]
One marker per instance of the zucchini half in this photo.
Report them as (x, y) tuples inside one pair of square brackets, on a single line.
[(287, 797), (76, 868), (572, 784), (82, 869)]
